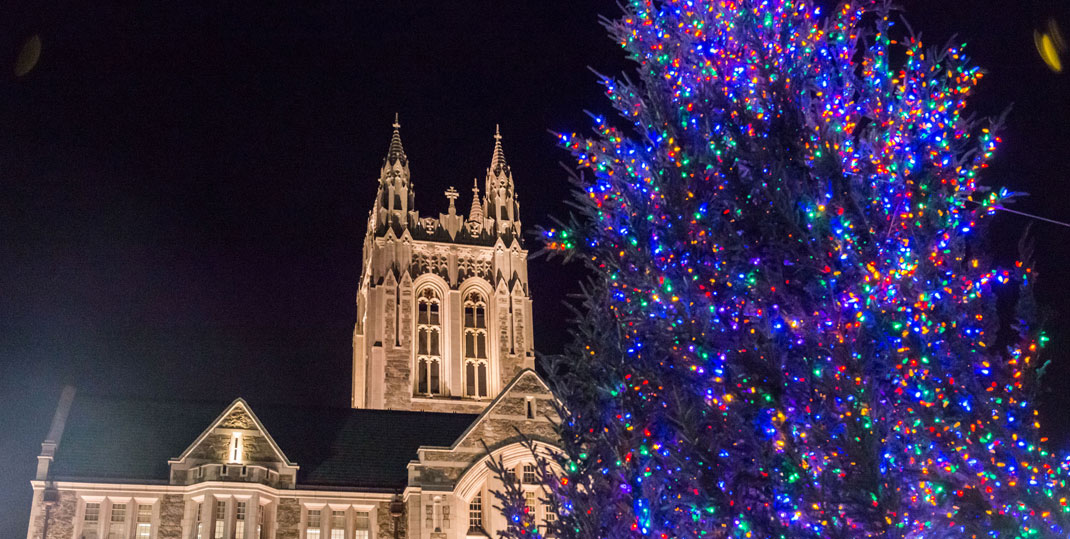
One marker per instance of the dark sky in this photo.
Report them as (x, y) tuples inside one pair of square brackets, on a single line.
[(183, 186)]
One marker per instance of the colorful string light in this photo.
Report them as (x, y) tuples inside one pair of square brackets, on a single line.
[(795, 331)]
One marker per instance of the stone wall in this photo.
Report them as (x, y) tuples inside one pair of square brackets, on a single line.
[(60, 523), (398, 368), (172, 509), (214, 448), (288, 519), (385, 522)]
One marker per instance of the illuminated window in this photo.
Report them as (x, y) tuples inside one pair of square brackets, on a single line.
[(144, 521), (475, 514), (529, 474), (362, 523), (549, 515), (428, 337), (91, 521), (117, 526), (200, 522), (236, 448), (239, 520), (260, 521), (529, 503), (338, 525), (220, 518), (475, 345), (312, 530)]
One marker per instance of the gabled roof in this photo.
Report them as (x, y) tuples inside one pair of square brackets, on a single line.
[(489, 409), (241, 407), (118, 440)]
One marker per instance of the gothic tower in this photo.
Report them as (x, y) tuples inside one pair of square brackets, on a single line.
[(443, 306)]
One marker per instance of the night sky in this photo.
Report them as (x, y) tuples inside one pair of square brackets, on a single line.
[(184, 186)]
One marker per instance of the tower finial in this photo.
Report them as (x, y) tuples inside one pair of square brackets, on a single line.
[(396, 152), (475, 215), (497, 159)]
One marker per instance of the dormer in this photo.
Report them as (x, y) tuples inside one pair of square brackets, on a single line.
[(234, 448)]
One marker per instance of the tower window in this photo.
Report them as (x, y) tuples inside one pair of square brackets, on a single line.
[(428, 346), (529, 407), (475, 345)]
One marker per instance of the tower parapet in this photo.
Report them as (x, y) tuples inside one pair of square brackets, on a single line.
[(443, 306)]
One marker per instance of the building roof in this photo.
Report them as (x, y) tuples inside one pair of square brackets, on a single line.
[(113, 440)]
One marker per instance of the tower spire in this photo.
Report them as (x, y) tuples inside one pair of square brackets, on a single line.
[(497, 160), (396, 152), (394, 200), (476, 213)]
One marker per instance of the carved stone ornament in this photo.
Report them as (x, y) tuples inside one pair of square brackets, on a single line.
[(238, 419)]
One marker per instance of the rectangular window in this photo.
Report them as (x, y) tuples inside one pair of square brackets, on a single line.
[(144, 521), (363, 524), (338, 525), (549, 515), (239, 520), (529, 503), (312, 530), (117, 526), (200, 521), (236, 447), (482, 369), (91, 521), (470, 378), (475, 514), (434, 378), (260, 522), (220, 519), (529, 474)]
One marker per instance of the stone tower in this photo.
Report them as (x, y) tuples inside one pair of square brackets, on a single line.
[(443, 306)]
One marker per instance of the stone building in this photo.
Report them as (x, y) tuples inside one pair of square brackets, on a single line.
[(442, 372)]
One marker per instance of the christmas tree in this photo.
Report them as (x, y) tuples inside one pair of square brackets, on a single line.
[(792, 330)]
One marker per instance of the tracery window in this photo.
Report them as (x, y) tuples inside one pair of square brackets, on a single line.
[(428, 342), (475, 345)]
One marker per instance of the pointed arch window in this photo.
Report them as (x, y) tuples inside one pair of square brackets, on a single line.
[(475, 345), (428, 342)]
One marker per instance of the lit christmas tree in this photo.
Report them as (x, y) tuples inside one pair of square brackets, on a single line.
[(793, 326)]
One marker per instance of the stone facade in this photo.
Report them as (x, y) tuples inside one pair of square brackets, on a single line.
[(288, 519), (457, 259), (235, 481), (172, 509)]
